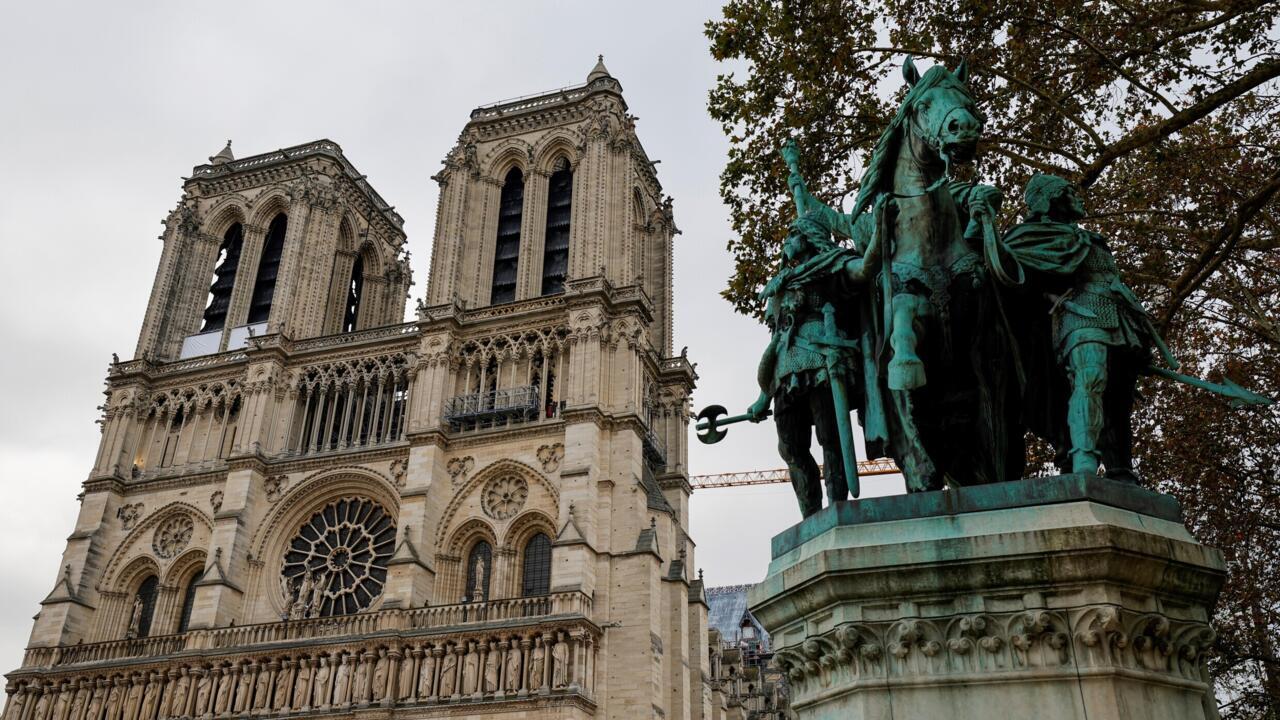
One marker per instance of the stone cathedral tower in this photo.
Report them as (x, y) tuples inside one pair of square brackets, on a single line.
[(303, 505)]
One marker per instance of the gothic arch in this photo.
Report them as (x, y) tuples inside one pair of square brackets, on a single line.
[(313, 492), (524, 526), (505, 466), (468, 534), (226, 212), (180, 569), (133, 573), (552, 146), (267, 205), (132, 546), (512, 152)]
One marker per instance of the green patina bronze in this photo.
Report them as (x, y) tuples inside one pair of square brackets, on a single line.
[(948, 338)]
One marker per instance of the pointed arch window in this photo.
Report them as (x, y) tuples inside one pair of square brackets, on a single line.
[(224, 279), (188, 602), (537, 566), (147, 594), (264, 284), (355, 292), (555, 254), (506, 253), (479, 570)]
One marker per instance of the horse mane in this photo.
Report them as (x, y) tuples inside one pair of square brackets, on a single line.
[(880, 168)]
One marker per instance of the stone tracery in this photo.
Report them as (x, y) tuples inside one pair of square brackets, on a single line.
[(337, 563), (173, 536)]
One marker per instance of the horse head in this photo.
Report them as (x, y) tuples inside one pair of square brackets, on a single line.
[(941, 113)]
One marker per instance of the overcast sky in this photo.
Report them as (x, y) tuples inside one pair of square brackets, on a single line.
[(107, 106)]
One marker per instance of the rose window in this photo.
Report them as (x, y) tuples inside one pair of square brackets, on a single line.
[(504, 497), (337, 563), (172, 536)]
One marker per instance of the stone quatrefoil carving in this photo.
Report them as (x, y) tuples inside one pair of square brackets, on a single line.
[(173, 536), (550, 457), (275, 487), (504, 496), (459, 468)]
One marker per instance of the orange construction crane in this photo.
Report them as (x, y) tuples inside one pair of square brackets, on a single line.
[(879, 466)]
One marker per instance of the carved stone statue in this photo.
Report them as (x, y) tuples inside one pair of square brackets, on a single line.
[(115, 699), (78, 701), (204, 691), (63, 703), (512, 671), (284, 686), (380, 675), (320, 694), (491, 667), (470, 669), (17, 703), (222, 696), (135, 618), (305, 587), (244, 688), (560, 663), (315, 601), (96, 701), (360, 674), (41, 710), (177, 701), (262, 685), (133, 697), (150, 697), (448, 673), (481, 570), (537, 663), (342, 680), (404, 683), (302, 685), (427, 674)]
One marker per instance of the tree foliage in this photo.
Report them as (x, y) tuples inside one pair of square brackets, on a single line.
[(1166, 113)]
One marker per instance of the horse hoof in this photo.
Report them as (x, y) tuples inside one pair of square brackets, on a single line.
[(906, 374)]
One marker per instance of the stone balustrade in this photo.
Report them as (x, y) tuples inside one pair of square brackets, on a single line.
[(388, 658), (436, 617)]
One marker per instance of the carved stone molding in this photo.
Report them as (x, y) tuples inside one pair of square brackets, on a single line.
[(1098, 637)]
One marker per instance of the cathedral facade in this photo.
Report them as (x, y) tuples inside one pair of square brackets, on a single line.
[(302, 504)]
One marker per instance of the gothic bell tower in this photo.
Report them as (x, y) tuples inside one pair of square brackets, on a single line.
[(294, 242)]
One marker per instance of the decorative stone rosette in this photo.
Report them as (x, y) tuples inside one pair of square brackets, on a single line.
[(504, 496), (173, 536)]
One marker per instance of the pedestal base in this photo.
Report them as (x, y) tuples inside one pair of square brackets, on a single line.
[(1065, 597)]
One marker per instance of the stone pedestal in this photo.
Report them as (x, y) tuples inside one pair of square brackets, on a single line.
[(1068, 597)]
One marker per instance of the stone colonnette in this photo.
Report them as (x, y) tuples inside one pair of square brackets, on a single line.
[(1067, 597)]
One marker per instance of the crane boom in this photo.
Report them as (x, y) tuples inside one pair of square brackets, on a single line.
[(879, 466)]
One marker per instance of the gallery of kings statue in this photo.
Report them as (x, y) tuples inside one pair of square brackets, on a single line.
[(950, 340)]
